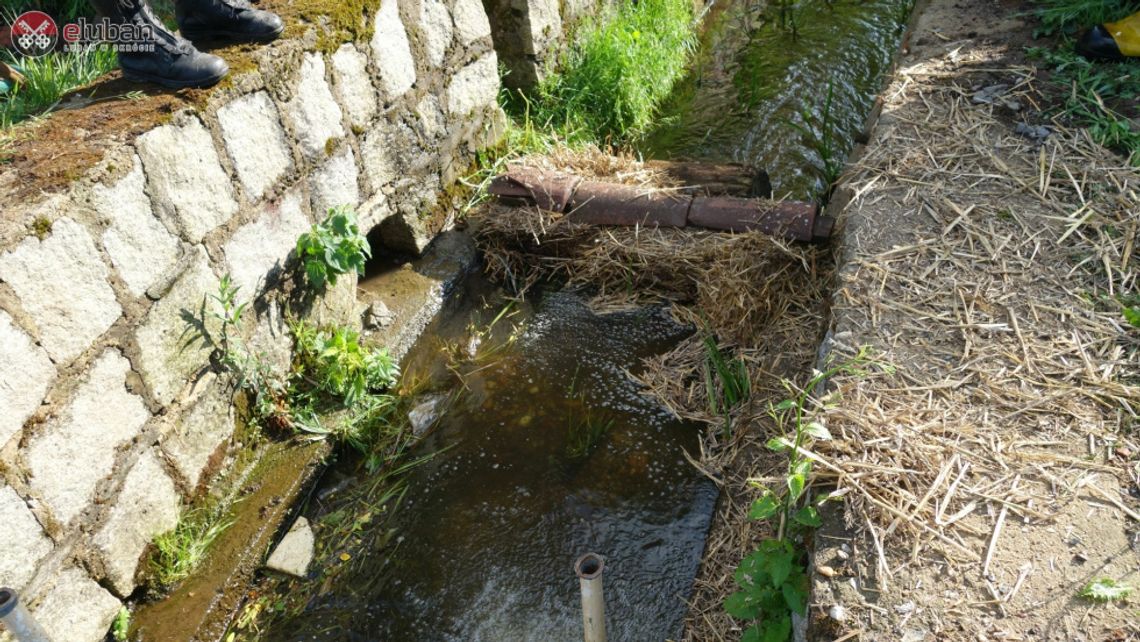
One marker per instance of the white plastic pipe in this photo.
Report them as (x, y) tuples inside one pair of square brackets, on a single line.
[(589, 568), (17, 620)]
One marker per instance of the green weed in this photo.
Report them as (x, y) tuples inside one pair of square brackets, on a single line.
[(333, 247), (1105, 589), (49, 78), (332, 362), (727, 382), (121, 627), (773, 580), (179, 551), (818, 131), (1088, 86), (608, 85), (585, 432), (1063, 16)]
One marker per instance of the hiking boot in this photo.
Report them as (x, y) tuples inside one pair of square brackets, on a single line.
[(1112, 40), (164, 59), (232, 20)]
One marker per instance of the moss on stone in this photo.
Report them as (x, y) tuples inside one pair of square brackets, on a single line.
[(338, 22), (41, 226)]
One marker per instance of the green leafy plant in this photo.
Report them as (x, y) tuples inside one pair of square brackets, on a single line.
[(121, 627), (773, 585), (333, 362), (1105, 589), (332, 248), (1132, 316), (773, 580)]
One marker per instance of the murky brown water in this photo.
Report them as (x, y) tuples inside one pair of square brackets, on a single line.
[(488, 532)]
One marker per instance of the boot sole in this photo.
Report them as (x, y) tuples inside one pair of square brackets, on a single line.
[(174, 84), (234, 37)]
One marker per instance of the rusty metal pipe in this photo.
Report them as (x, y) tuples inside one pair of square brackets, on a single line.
[(598, 203)]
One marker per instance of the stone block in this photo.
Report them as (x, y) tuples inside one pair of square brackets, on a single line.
[(335, 183), (543, 24), (436, 30), (200, 430), (391, 52), (62, 285), (354, 85), (140, 247), (24, 540), (147, 506), (313, 112), (378, 157), (165, 363), (76, 609), (261, 247), (474, 87), (431, 119), (185, 178), (293, 555), (24, 378), (471, 22), (255, 139), (76, 449)]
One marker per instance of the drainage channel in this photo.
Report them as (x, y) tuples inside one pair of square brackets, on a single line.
[(539, 447), (543, 448)]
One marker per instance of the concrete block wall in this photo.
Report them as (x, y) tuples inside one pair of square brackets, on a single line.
[(108, 423)]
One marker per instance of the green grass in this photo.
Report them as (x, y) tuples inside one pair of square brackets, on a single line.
[(1096, 95), (1068, 16), (606, 88), (179, 551), (49, 78)]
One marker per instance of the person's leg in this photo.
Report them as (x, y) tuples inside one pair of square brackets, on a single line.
[(1112, 40), (163, 57), (227, 19)]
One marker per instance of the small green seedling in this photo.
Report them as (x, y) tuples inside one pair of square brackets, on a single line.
[(1105, 589), (120, 629)]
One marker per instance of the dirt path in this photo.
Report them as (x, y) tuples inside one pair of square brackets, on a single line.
[(995, 473)]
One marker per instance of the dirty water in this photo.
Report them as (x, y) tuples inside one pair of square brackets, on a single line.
[(483, 543), (751, 83)]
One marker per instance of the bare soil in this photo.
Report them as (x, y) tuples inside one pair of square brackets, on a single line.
[(995, 473)]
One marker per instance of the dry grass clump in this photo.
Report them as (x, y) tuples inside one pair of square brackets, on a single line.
[(735, 284)]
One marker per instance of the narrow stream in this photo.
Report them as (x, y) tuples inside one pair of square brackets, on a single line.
[(482, 545), (489, 530), (752, 83)]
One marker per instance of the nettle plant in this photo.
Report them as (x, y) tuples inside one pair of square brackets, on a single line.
[(333, 247), (773, 580)]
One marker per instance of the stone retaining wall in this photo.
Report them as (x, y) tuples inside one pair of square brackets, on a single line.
[(530, 33), (108, 423)]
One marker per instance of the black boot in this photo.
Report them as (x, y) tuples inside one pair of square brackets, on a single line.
[(233, 20), (164, 58), (1098, 44)]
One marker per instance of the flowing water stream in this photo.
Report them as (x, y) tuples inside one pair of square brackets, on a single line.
[(756, 92), (545, 448)]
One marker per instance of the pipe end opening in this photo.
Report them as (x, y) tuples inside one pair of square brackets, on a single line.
[(589, 566), (8, 600)]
